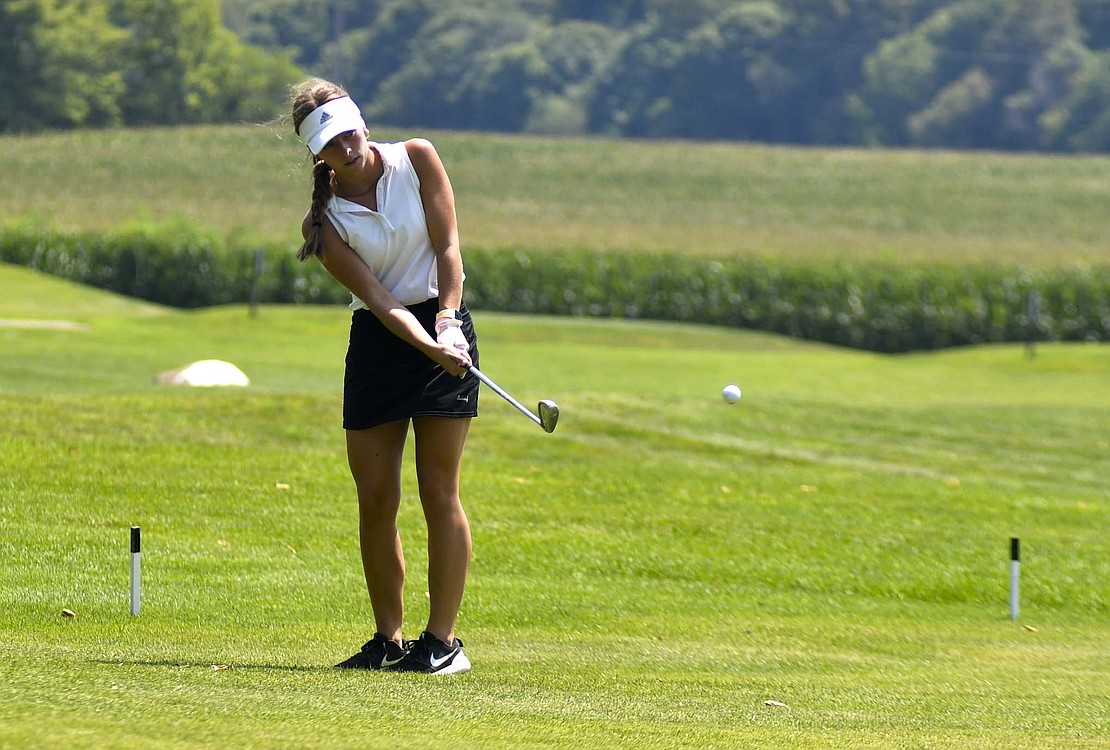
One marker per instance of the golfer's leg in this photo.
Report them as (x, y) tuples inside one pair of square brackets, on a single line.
[(439, 446), (374, 456)]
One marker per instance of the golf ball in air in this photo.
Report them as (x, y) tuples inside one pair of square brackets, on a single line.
[(731, 394)]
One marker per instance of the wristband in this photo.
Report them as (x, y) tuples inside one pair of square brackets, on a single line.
[(442, 324), (449, 312)]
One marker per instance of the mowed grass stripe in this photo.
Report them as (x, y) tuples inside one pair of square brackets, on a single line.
[(647, 576)]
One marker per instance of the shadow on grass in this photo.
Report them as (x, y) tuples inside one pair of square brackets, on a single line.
[(208, 665)]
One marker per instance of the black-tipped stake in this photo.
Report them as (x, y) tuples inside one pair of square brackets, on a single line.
[(136, 553), (1015, 565)]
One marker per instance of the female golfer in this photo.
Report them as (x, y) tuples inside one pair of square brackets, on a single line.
[(382, 222)]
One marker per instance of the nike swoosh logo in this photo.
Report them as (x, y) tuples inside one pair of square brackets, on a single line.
[(437, 663), (387, 662)]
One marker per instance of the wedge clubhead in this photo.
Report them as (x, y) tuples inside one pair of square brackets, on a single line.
[(549, 411), (549, 415)]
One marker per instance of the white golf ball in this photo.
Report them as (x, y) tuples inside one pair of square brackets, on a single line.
[(731, 394)]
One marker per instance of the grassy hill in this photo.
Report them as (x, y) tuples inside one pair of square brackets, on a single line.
[(650, 575), (549, 193)]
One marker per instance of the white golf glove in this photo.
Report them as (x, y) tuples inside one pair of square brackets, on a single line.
[(449, 333)]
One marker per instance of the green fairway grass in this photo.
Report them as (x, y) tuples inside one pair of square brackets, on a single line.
[(648, 576), (721, 199)]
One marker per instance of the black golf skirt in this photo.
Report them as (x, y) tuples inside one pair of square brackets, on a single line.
[(387, 379)]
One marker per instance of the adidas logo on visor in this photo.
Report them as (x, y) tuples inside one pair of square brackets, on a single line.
[(335, 116)]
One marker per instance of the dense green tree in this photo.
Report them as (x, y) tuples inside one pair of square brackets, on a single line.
[(717, 79), (235, 82), (971, 73), (616, 13), (81, 63), (1094, 17), (307, 30), (165, 39), (58, 65), (677, 17), (574, 53), (499, 90), (1081, 121), (958, 116), (774, 70), (1015, 74), (898, 76), (363, 58), (977, 73), (301, 27), (824, 48), (452, 60), (184, 66)]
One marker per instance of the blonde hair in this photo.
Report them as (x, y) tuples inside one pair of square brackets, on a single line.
[(307, 96)]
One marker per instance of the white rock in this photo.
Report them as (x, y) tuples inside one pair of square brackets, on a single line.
[(207, 372)]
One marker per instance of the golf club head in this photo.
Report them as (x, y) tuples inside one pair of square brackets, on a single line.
[(549, 415)]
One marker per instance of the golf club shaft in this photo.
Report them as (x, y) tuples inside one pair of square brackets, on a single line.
[(500, 392)]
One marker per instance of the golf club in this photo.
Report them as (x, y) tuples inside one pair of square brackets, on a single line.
[(549, 411)]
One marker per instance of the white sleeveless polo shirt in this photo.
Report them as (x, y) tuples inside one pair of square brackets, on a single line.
[(393, 241)]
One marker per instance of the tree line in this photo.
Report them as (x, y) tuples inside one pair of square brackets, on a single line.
[(88, 63), (997, 74)]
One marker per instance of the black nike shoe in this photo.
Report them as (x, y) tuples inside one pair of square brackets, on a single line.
[(377, 653), (430, 655)]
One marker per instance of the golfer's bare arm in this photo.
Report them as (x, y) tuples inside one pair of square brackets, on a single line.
[(439, 209), (349, 270)]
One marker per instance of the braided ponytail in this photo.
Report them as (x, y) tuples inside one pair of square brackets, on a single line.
[(321, 191), (307, 96)]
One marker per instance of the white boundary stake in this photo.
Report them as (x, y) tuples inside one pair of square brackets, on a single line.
[(136, 553), (1015, 571)]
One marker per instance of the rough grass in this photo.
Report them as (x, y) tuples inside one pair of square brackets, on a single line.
[(548, 193), (647, 576)]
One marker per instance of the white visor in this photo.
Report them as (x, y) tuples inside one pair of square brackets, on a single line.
[(329, 120)]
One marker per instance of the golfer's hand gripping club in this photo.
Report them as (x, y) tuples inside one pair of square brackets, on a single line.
[(449, 333)]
